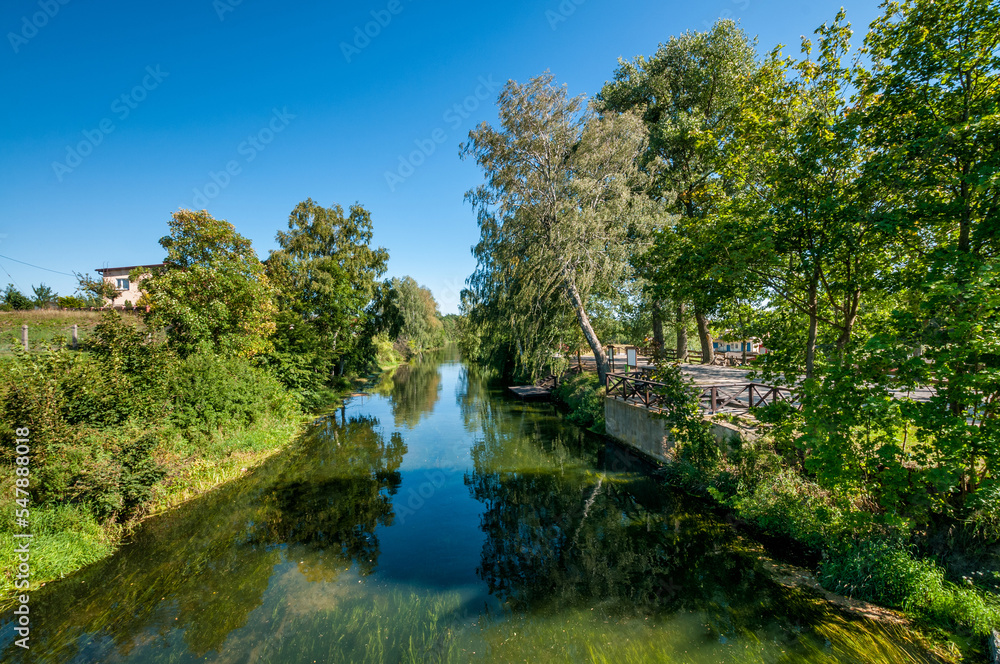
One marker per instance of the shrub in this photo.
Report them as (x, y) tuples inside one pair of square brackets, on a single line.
[(784, 503), (583, 394), (885, 572), (71, 302), (17, 300), (694, 442), (210, 391)]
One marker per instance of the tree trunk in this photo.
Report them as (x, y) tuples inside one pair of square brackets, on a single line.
[(813, 325), (657, 314), (707, 351), (682, 335), (588, 331)]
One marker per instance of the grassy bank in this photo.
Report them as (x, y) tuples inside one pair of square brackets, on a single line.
[(50, 327), (125, 429)]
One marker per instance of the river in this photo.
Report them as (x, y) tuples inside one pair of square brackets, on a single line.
[(437, 520)]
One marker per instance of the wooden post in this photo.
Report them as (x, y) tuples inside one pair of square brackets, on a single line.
[(76, 337), (24, 337)]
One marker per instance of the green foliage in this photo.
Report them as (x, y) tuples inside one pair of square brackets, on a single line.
[(96, 291), (558, 213), (784, 503), (16, 300), (693, 94), (421, 327), (327, 276), (212, 291), (209, 392), (884, 572), (692, 434), (44, 296), (584, 395), (71, 302)]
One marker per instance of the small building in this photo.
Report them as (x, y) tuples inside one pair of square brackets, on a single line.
[(751, 346), (128, 290)]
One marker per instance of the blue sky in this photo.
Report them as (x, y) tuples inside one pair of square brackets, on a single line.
[(115, 114)]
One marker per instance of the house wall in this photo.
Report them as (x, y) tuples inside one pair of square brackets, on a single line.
[(133, 293)]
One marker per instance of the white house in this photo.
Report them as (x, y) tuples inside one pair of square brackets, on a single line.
[(128, 290)]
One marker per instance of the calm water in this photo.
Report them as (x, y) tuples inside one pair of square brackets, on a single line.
[(433, 521)]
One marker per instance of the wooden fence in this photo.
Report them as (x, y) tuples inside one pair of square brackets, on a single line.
[(635, 388)]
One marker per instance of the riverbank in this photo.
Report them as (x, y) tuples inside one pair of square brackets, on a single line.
[(852, 556), (69, 535)]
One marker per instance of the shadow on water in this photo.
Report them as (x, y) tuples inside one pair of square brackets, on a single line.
[(309, 557)]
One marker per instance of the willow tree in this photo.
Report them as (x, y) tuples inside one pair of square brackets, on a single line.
[(558, 213)]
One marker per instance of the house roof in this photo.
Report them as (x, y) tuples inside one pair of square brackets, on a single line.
[(102, 270)]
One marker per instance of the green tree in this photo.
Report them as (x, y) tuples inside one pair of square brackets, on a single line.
[(44, 296), (421, 327), (811, 234), (558, 214), (935, 76), (15, 299), (211, 290), (692, 94), (98, 292), (327, 275)]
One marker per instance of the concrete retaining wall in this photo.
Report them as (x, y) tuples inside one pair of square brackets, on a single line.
[(636, 427), (640, 429)]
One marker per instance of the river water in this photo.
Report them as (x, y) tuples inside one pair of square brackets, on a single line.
[(438, 520)]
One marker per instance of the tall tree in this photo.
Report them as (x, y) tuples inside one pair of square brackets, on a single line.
[(936, 126), (557, 211), (811, 233), (691, 94), (327, 273), (211, 291), (44, 296)]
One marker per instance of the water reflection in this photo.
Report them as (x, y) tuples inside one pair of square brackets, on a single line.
[(413, 389), (199, 572), (531, 541)]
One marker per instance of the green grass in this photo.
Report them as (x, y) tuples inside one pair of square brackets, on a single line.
[(50, 327), (66, 538)]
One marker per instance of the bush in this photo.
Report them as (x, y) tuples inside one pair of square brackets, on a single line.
[(694, 442), (16, 300), (113, 476), (884, 572), (583, 394), (785, 504), (210, 391), (71, 302)]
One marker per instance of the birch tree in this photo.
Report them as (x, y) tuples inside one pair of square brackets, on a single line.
[(559, 211)]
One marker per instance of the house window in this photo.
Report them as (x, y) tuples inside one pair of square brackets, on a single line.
[(121, 284)]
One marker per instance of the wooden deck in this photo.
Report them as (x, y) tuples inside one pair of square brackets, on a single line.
[(531, 392)]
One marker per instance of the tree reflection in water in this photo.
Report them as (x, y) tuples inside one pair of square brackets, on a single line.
[(413, 389), (564, 531), (202, 569)]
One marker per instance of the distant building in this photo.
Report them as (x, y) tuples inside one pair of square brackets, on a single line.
[(752, 346), (128, 290)]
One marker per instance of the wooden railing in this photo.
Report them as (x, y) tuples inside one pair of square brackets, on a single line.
[(630, 387), (714, 398), (635, 388)]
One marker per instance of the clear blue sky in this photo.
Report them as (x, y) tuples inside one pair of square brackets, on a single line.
[(115, 114)]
